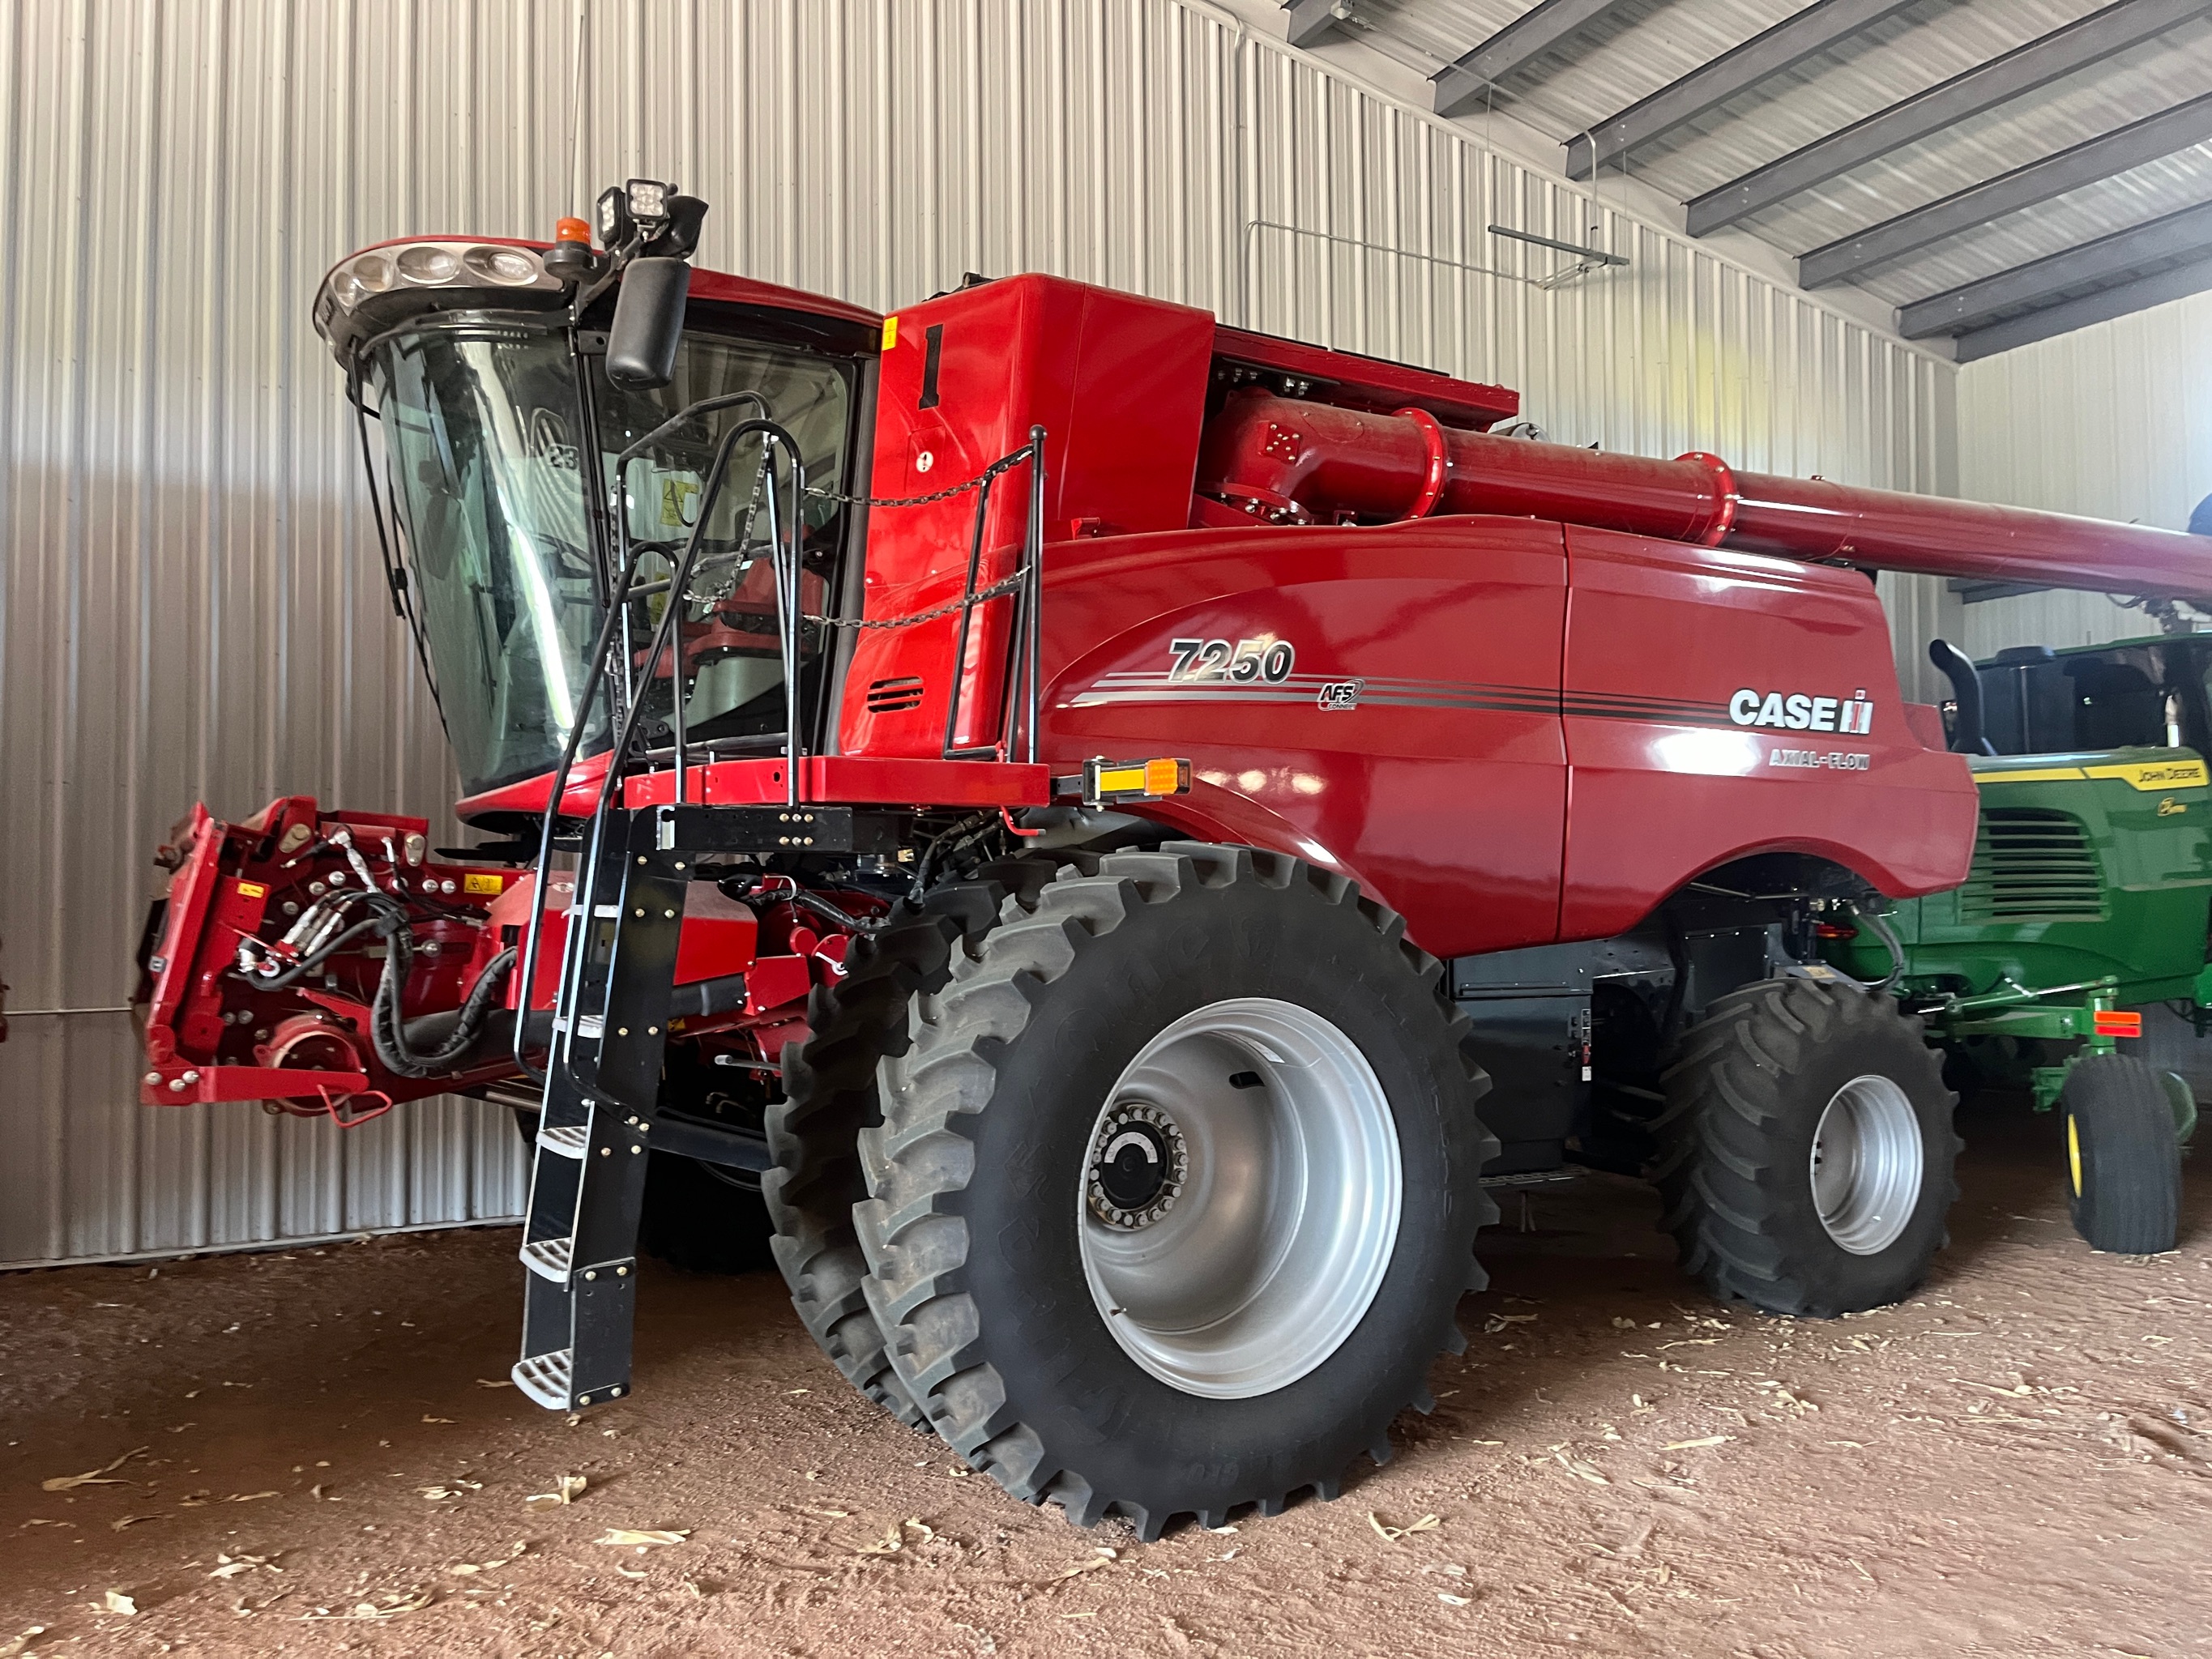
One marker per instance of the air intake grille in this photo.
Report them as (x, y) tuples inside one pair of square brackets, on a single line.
[(2031, 865), (892, 697)]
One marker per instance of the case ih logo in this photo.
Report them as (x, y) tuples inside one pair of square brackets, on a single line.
[(1794, 711)]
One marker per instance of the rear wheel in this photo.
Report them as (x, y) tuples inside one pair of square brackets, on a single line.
[(1176, 1193), (2123, 1156), (1807, 1149)]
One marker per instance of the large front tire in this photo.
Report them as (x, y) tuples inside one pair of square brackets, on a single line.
[(1807, 1149), (1176, 1193)]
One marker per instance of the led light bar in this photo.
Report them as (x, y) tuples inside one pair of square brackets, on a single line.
[(429, 264)]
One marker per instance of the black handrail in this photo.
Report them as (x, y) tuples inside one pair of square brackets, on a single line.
[(602, 673)]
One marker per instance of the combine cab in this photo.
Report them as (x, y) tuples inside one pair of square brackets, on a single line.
[(1132, 827)]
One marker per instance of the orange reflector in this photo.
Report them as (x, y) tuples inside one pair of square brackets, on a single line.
[(1121, 780), (1105, 780), (573, 230), (2116, 1023)]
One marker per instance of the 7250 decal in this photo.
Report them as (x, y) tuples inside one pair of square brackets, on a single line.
[(1266, 661)]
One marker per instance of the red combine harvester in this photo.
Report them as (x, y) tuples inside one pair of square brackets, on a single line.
[(1122, 828)]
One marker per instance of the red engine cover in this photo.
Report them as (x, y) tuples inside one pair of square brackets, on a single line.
[(1118, 382)]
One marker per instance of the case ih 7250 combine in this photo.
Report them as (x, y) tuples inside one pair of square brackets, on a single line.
[(1123, 823)]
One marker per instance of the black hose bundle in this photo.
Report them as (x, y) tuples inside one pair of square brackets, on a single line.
[(387, 1024)]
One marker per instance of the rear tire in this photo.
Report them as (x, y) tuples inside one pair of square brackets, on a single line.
[(999, 1239), (2123, 1159), (1807, 1149)]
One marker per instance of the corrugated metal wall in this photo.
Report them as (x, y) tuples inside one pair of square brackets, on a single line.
[(189, 610), (2113, 420)]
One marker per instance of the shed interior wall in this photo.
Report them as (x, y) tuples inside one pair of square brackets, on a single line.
[(191, 608), (2113, 420)]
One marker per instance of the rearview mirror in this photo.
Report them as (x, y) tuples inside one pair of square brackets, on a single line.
[(648, 324)]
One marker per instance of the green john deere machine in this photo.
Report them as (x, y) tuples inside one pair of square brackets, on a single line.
[(2072, 964)]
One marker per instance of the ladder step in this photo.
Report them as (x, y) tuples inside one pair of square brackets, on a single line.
[(571, 1140), (549, 1258), (545, 1377)]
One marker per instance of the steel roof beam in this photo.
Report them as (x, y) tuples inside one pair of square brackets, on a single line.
[(1311, 21), (2084, 163), (2102, 307), (1787, 43), (2041, 61), (2139, 251), (1463, 85)]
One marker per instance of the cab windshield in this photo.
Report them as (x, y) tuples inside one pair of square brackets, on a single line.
[(2139, 693), (493, 495)]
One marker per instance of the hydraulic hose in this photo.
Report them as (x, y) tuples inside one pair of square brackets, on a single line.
[(386, 1028), (1878, 925)]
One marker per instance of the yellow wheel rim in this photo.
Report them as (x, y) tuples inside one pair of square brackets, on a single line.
[(2074, 1153)]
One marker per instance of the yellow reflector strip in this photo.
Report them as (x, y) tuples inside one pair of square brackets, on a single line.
[(2074, 1153), (1122, 779), (2155, 775), (890, 332)]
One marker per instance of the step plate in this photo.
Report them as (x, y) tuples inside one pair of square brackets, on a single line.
[(571, 1140), (549, 1258), (545, 1377)]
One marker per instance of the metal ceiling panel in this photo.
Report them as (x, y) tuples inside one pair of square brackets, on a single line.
[(2124, 256), (1610, 67), (1546, 27), (2075, 48), (1819, 28), (2091, 162)]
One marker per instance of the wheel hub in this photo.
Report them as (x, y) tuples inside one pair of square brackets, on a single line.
[(1138, 1164), (1240, 1198), (1867, 1164)]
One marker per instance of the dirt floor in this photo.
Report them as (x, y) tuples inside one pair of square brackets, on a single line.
[(313, 1452)]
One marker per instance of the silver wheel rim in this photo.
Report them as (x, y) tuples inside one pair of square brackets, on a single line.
[(1276, 1212), (1867, 1164)]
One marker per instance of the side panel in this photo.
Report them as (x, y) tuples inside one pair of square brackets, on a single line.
[(1383, 702), (1118, 382), (1719, 704)]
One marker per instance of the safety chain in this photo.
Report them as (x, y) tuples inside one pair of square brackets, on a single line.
[(1003, 464), (953, 607)]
